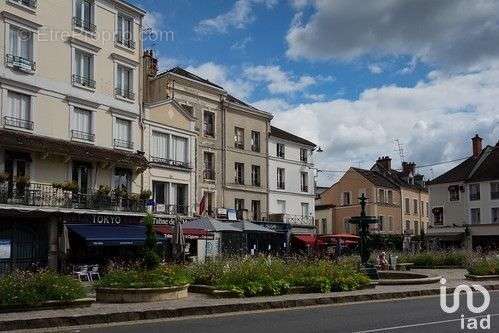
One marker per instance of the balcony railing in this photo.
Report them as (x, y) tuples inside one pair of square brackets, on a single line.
[(304, 188), (171, 209), (85, 81), (42, 195), (84, 24), (209, 174), (18, 122), (28, 3), (239, 145), (20, 63), (128, 94), (292, 219), (125, 41), (118, 143), (281, 185), (169, 162), (75, 134)]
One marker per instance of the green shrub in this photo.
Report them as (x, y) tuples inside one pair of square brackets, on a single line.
[(138, 278), (25, 288), (484, 266), (436, 258)]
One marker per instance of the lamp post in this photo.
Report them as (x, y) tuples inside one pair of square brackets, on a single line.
[(363, 222)]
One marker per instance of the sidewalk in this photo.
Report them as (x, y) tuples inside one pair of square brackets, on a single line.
[(198, 304)]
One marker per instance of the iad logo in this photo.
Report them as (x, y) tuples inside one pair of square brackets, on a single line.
[(467, 323)]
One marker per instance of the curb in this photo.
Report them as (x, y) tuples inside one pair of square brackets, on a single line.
[(67, 321)]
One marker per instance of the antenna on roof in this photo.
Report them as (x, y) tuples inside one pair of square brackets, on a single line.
[(399, 148)]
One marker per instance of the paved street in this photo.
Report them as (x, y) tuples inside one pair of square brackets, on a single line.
[(410, 315)]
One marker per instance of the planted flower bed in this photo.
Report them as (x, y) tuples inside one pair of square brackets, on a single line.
[(436, 259), (139, 285), (271, 276), (483, 269), (25, 290)]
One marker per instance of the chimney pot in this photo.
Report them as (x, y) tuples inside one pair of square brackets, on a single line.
[(385, 162), (476, 145)]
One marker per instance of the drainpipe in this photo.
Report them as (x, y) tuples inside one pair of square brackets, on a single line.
[(224, 148), (142, 84)]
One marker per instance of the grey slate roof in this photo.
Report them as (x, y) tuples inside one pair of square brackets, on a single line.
[(282, 134)]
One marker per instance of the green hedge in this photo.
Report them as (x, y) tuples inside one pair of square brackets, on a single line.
[(434, 259), (484, 266), (139, 278), (272, 276), (25, 288)]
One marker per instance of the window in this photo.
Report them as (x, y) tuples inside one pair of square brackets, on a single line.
[(304, 155), (179, 150), (495, 215), (407, 225), (494, 190), (84, 69), (84, 15), (407, 206), (122, 178), (239, 207), (381, 196), (81, 127), (124, 36), (454, 192), (474, 192), (27, 3), (390, 197), (209, 166), (280, 150), (170, 150), (17, 164), (255, 175), (256, 209), (123, 134), (281, 179), (19, 111), (239, 137), (422, 208), (380, 223), (281, 206), (255, 141), (347, 224), (209, 203), (305, 210), (81, 175), (239, 173), (20, 54), (324, 226), (475, 215), (415, 206), (427, 209), (304, 181), (438, 215), (124, 84), (416, 228), (170, 198), (390, 223), (160, 146), (346, 199), (209, 124)]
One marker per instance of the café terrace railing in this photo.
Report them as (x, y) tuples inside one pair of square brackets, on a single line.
[(42, 195)]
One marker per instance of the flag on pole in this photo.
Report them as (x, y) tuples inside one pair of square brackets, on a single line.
[(202, 205)]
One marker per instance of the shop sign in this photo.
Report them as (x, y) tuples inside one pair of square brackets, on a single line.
[(102, 219), (106, 219), (5, 249)]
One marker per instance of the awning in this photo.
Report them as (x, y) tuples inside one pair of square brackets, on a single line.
[(189, 233), (310, 240), (111, 235), (246, 226)]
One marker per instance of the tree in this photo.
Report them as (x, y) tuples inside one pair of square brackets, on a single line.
[(151, 256)]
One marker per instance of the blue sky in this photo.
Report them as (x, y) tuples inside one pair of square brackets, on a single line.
[(357, 74)]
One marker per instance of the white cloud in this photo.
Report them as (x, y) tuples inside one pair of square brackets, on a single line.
[(221, 75), (454, 33), (272, 105), (239, 16), (315, 97), (153, 21), (434, 119), (375, 68), (241, 45), (300, 4), (277, 80)]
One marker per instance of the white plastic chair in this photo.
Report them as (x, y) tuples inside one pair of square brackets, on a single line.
[(94, 272), (82, 271)]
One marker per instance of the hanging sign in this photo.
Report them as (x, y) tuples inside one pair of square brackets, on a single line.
[(5, 249)]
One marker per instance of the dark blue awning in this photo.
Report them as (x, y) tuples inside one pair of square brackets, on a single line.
[(112, 235)]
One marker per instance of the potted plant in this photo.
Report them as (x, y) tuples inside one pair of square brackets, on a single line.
[(145, 195), (4, 177), (101, 197), (70, 186)]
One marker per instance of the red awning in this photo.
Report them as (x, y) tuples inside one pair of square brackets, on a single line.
[(347, 236), (188, 233), (310, 240)]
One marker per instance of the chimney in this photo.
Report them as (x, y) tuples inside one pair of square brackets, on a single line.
[(477, 145), (408, 168), (150, 64), (385, 162)]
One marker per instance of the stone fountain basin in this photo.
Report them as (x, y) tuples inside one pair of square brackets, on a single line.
[(394, 278)]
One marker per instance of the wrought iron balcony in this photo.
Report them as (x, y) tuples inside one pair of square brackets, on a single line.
[(169, 162), (85, 81), (84, 24), (18, 122), (20, 63), (75, 134), (171, 209), (42, 195), (304, 188), (28, 3), (209, 174), (118, 143), (292, 219), (128, 94), (125, 40)]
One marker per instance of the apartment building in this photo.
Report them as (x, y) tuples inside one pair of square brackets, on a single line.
[(464, 201), (68, 136), (231, 143), (291, 180)]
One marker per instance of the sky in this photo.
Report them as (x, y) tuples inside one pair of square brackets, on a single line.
[(352, 76)]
